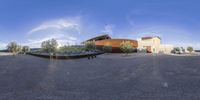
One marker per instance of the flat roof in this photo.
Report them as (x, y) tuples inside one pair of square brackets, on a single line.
[(150, 37)]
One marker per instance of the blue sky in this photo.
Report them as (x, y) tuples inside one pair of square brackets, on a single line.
[(29, 22)]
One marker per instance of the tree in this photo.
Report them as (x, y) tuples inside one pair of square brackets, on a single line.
[(190, 49), (126, 47), (44, 46), (26, 49), (14, 48), (49, 46), (177, 49), (90, 46), (107, 49)]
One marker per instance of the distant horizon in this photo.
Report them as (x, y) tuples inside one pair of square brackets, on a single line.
[(29, 22)]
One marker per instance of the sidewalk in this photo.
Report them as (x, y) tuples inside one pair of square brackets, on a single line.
[(5, 53), (192, 54)]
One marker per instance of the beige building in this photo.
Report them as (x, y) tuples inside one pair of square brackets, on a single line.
[(153, 45), (166, 48)]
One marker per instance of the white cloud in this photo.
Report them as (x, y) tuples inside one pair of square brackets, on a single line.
[(2, 45), (59, 24), (108, 29), (61, 39), (64, 31)]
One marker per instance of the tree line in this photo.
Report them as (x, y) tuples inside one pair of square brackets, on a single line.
[(51, 46)]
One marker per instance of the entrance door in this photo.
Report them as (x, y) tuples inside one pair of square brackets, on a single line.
[(148, 48)]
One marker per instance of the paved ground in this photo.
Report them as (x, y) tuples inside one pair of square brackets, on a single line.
[(108, 77)]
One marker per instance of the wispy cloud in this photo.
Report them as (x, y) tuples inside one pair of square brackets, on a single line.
[(108, 29), (64, 30), (149, 34), (59, 24)]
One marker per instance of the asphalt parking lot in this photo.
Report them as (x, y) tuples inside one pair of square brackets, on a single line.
[(107, 77)]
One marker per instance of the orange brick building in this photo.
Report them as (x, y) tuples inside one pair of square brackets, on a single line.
[(105, 40)]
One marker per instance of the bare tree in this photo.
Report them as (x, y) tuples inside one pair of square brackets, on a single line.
[(14, 48), (49, 46)]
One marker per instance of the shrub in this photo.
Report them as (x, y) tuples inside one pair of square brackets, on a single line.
[(126, 47), (176, 50), (49, 46), (182, 49), (90, 46), (14, 48), (70, 49), (26, 49), (66, 48), (190, 49), (107, 49)]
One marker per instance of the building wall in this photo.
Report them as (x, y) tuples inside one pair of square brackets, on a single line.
[(152, 45), (115, 43), (166, 48)]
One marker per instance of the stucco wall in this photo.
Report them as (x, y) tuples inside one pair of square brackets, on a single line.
[(153, 44), (166, 48)]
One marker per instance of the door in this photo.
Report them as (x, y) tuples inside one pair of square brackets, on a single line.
[(148, 48)]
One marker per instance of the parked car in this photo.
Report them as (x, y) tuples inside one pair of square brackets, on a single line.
[(175, 52)]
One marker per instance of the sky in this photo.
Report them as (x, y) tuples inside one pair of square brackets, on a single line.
[(29, 22)]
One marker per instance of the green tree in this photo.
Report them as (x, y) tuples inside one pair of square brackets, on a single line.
[(26, 49), (14, 48), (177, 49), (190, 49), (90, 46), (49, 46), (126, 47), (107, 49)]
